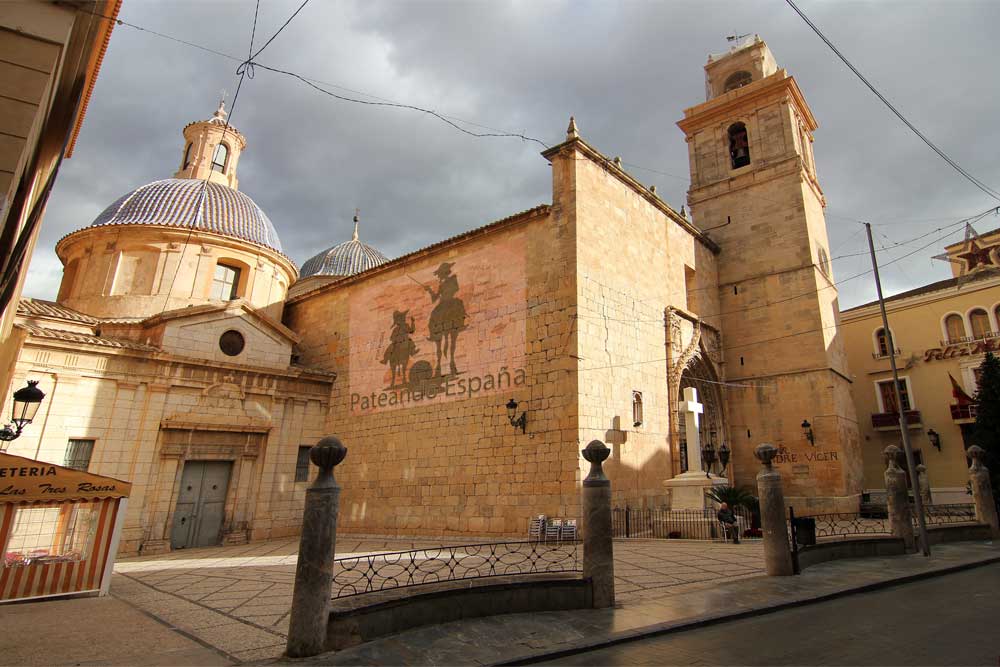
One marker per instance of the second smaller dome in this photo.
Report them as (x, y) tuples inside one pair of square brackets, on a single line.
[(344, 259)]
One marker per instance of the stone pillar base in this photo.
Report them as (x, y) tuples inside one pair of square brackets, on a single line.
[(687, 490), (154, 547), (234, 537)]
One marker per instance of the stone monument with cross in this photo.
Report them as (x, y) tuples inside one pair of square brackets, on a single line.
[(687, 490)]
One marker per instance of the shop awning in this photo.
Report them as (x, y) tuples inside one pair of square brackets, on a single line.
[(27, 480)]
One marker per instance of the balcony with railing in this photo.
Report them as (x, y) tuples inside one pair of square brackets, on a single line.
[(887, 421), (964, 413), (987, 335), (877, 356)]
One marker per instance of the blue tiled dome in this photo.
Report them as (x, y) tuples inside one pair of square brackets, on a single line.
[(346, 259), (178, 202)]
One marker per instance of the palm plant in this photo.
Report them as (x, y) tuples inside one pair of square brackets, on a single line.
[(733, 496)]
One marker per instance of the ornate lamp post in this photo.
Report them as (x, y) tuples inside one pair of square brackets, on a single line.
[(26, 403), (724, 454), (708, 456)]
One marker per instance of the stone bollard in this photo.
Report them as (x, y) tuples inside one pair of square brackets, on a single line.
[(598, 548), (777, 555), (900, 519), (982, 493), (924, 484), (314, 570)]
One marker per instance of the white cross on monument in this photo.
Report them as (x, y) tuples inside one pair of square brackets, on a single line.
[(692, 409)]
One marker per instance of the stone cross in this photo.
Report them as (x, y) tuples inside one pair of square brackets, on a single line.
[(691, 409)]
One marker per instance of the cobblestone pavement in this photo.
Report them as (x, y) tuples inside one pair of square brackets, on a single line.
[(236, 599), (903, 625)]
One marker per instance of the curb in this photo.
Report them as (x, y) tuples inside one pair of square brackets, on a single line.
[(659, 629)]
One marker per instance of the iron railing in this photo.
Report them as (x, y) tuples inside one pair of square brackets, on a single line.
[(843, 524), (354, 575), (936, 515), (678, 524)]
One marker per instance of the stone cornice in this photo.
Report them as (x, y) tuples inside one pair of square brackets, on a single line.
[(778, 85), (164, 358), (579, 145), (186, 236), (870, 310), (524, 217)]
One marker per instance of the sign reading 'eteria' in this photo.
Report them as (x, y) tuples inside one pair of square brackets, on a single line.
[(27, 480)]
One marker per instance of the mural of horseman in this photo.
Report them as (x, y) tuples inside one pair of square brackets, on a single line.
[(447, 319), (401, 346)]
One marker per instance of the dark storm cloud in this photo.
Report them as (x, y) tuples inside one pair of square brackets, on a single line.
[(626, 70)]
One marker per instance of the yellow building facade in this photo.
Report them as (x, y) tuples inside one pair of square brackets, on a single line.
[(941, 332)]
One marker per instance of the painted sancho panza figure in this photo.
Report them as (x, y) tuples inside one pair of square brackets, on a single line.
[(448, 317)]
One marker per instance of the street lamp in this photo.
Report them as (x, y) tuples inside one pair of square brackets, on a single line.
[(26, 403), (516, 422), (724, 454), (708, 455), (935, 439), (807, 428)]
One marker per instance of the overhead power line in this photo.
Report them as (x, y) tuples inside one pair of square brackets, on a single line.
[(972, 179)]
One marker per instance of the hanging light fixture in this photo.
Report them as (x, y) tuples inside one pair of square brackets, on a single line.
[(724, 454), (26, 403)]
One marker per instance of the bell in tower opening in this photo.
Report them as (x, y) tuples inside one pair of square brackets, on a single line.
[(739, 145)]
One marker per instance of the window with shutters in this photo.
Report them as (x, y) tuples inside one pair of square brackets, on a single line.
[(302, 464), (78, 453)]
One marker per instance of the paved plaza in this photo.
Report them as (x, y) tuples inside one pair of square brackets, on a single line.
[(236, 599)]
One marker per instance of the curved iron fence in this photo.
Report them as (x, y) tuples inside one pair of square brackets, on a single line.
[(936, 515), (677, 524), (354, 575)]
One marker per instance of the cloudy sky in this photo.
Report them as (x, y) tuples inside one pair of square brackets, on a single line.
[(626, 70)]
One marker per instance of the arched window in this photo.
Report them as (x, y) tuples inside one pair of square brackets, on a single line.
[(881, 343), (980, 322), (955, 327), (737, 80), (187, 156), (739, 145), (996, 314), (220, 158), (225, 282)]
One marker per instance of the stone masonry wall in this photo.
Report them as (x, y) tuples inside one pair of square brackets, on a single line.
[(435, 453), (633, 261)]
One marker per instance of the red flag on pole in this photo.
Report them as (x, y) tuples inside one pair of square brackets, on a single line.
[(958, 393)]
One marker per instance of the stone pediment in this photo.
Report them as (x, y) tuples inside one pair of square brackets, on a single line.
[(223, 406), (262, 342)]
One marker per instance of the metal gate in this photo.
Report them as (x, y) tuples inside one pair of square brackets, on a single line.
[(201, 504)]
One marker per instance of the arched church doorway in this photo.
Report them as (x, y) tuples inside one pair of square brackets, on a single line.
[(699, 374)]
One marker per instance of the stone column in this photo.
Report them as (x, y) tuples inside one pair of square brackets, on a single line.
[(777, 553), (924, 484), (314, 569), (900, 519), (598, 548), (982, 492)]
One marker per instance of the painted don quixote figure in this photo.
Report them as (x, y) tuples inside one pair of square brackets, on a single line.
[(447, 319)]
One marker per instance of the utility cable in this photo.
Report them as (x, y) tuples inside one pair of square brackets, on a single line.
[(972, 179)]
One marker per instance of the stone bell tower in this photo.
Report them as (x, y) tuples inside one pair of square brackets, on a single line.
[(754, 186)]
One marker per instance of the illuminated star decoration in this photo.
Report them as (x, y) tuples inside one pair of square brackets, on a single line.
[(975, 255)]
